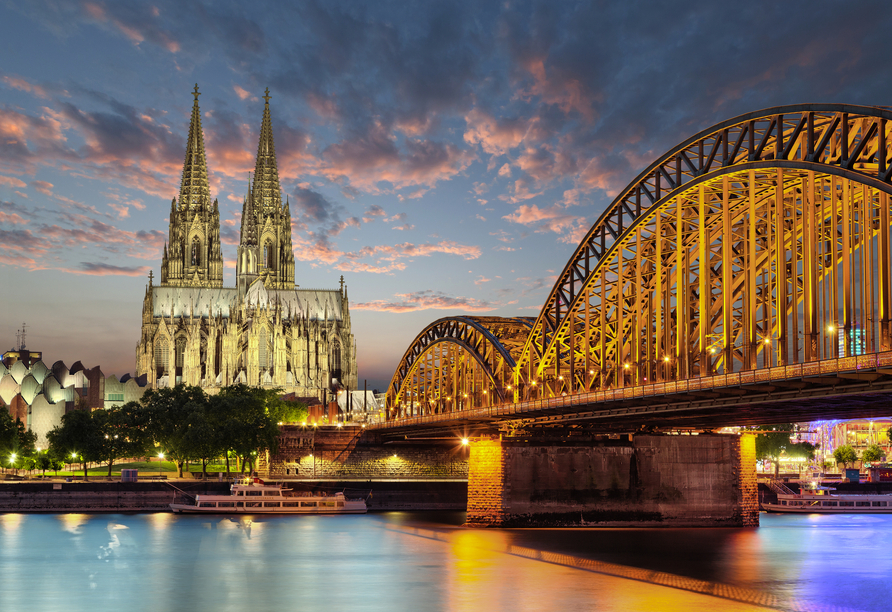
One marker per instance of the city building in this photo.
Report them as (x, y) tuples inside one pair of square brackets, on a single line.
[(265, 331), (38, 396)]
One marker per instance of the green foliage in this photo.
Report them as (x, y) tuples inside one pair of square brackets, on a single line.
[(845, 455), (775, 442), (79, 438), (283, 411), (15, 438), (168, 413), (872, 453), (246, 424)]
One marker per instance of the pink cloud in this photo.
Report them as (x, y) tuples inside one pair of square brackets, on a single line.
[(553, 218), (103, 269), (425, 300), (11, 218), (10, 181), (43, 187), (567, 93), (495, 136), (26, 86), (375, 158), (407, 249), (243, 93)]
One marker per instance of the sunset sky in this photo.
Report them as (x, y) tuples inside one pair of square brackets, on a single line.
[(444, 157)]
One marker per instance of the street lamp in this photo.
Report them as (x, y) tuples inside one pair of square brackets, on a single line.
[(160, 462)]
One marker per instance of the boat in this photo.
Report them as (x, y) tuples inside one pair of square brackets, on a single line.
[(253, 496), (824, 500)]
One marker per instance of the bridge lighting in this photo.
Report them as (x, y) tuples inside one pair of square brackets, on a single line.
[(533, 383), (712, 351), (767, 340), (484, 391), (560, 378), (666, 358), (466, 395), (465, 441), (626, 366), (509, 387), (830, 329), (592, 372)]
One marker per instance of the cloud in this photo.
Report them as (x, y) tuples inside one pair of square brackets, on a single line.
[(409, 250), (103, 269), (43, 187), (25, 85), (11, 213), (10, 181), (495, 136), (554, 219), (244, 94), (425, 300), (373, 211), (375, 157)]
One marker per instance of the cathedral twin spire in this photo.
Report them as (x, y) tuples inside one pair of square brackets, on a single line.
[(193, 257)]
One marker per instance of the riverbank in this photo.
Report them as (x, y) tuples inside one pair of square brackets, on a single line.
[(93, 496)]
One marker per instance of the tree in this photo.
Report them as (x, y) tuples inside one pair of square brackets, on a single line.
[(845, 455), (79, 436), (773, 441), (124, 432), (14, 438), (246, 424), (284, 411), (872, 453), (168, 412)]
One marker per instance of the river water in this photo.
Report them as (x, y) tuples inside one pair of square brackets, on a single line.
[(426, 561)]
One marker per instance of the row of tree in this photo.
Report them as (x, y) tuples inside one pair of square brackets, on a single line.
[(182, 422)]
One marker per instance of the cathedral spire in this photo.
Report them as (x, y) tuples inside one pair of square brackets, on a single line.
[(266, 173), (194, 188)]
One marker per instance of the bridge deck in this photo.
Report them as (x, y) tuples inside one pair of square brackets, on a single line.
[(849, 387)]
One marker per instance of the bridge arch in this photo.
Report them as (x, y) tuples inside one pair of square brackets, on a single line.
[(457, 363), (802, 196)]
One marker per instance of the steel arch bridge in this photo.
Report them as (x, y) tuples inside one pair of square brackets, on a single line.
[(759, 243)]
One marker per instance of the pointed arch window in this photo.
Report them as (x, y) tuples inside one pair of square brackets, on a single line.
[(196, 251), (179, 355), (269, 257), (263, 350), (161, 357)]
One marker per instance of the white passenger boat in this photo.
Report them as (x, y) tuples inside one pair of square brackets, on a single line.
[(256, 497), (824, 500)]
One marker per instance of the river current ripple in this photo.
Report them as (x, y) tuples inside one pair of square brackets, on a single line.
[(422, 561)]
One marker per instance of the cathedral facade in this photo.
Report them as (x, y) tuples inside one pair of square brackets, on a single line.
[(265, 331)]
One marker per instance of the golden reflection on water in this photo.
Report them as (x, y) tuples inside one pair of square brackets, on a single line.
[(72, 523), (160, 520), (10, 523), (486, 572)]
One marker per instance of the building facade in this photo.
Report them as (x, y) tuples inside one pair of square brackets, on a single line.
[(266, 331)]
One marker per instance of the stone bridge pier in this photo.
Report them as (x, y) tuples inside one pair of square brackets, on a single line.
[(705, 480)]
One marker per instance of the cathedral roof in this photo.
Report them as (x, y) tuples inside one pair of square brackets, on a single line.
[(194, 187), (312, 304)]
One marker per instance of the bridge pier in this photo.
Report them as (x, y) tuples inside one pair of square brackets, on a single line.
[(643, 480)]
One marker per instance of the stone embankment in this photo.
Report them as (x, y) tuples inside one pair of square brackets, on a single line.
[(155, 496)]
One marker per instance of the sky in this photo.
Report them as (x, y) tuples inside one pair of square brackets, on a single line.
[(445, 157)]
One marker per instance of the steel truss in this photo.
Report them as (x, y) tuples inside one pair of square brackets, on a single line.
[(457, 363), (760, 242)]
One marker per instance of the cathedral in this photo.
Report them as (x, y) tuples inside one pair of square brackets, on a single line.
[(265, 331)]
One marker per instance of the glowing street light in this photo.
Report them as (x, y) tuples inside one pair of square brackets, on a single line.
[(465, 441), (160, 462)]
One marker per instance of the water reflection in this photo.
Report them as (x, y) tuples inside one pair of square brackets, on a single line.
[(419, 562)]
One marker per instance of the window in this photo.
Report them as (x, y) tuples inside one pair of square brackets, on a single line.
[(862, 503), (161, 356), (269, 256), (340, 504), (225, 504), (326, 504), (290, 504), (879, 504), (207, 504), (264, 352), (253, 504), (115, 397), (846, 503), (196, 251), (829, 503), (180, 354), (272, 504), (307, 504), (257, 493)]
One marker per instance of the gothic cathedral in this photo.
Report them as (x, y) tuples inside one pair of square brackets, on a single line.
[(265, 331)]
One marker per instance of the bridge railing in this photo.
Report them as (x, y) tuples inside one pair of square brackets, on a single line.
[(704, 383)]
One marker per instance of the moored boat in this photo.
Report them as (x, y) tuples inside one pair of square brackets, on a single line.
[(253, 496), (824, 500)]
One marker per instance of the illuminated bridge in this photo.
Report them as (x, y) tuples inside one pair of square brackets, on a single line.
[(742, 278)]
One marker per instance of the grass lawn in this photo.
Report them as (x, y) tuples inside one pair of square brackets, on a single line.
[(166, 468)]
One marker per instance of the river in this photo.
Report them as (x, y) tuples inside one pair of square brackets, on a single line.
[(424, 561)]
